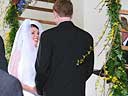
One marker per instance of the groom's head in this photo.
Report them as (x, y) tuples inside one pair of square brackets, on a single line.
[(63, 9)]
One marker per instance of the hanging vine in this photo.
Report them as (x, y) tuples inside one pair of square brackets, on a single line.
[(15, 8), (12, 21), (114, 68)]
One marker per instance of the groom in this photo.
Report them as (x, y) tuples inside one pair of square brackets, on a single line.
[(59, 71)]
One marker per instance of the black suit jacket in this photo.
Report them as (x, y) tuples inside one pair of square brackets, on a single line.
[(3, 60), (56, 64), (9, 86)]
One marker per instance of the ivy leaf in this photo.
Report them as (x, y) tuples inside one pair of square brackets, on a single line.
[(119, 56)]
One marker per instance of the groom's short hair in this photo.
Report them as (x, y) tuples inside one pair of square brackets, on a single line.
[(64, 8)]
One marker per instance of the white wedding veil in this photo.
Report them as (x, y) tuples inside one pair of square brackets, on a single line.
[(23, 55)]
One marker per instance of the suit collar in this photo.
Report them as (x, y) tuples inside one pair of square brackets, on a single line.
[(66, 24)]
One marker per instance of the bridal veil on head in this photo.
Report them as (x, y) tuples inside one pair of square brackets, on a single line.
[(23, 55)]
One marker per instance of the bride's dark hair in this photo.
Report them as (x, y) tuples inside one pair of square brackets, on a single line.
[(33, 25)]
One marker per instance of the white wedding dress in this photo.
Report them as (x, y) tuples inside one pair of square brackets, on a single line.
[(23, 56)]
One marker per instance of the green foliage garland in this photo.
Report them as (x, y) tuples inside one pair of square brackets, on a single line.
[(12, 21), (115, 68)]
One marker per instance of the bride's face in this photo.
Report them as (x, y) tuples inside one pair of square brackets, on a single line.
[(35, 35)]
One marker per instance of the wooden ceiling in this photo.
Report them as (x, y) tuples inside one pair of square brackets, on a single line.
[(40, 9)]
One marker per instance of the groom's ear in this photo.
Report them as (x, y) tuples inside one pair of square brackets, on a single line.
[(56, 17), (55, 14)]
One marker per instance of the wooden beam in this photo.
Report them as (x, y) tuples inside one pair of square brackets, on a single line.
[(39, 9), (41, 21), (123, 30), (124, 48), (124, 12), (49, 1)]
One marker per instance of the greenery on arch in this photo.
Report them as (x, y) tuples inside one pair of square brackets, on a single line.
[(15, 8), (115, 66)]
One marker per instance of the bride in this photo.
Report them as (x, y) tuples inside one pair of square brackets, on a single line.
[(23, 55)]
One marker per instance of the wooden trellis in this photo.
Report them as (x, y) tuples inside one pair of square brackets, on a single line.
[(40, 9)]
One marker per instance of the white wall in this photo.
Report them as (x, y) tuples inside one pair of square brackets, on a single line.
[(94, 23), (125, 4), (78, 13), (4, 5)]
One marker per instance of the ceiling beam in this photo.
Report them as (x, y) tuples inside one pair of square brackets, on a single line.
[(39, 9), (49, 1), (124, 12), (41, 21)]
